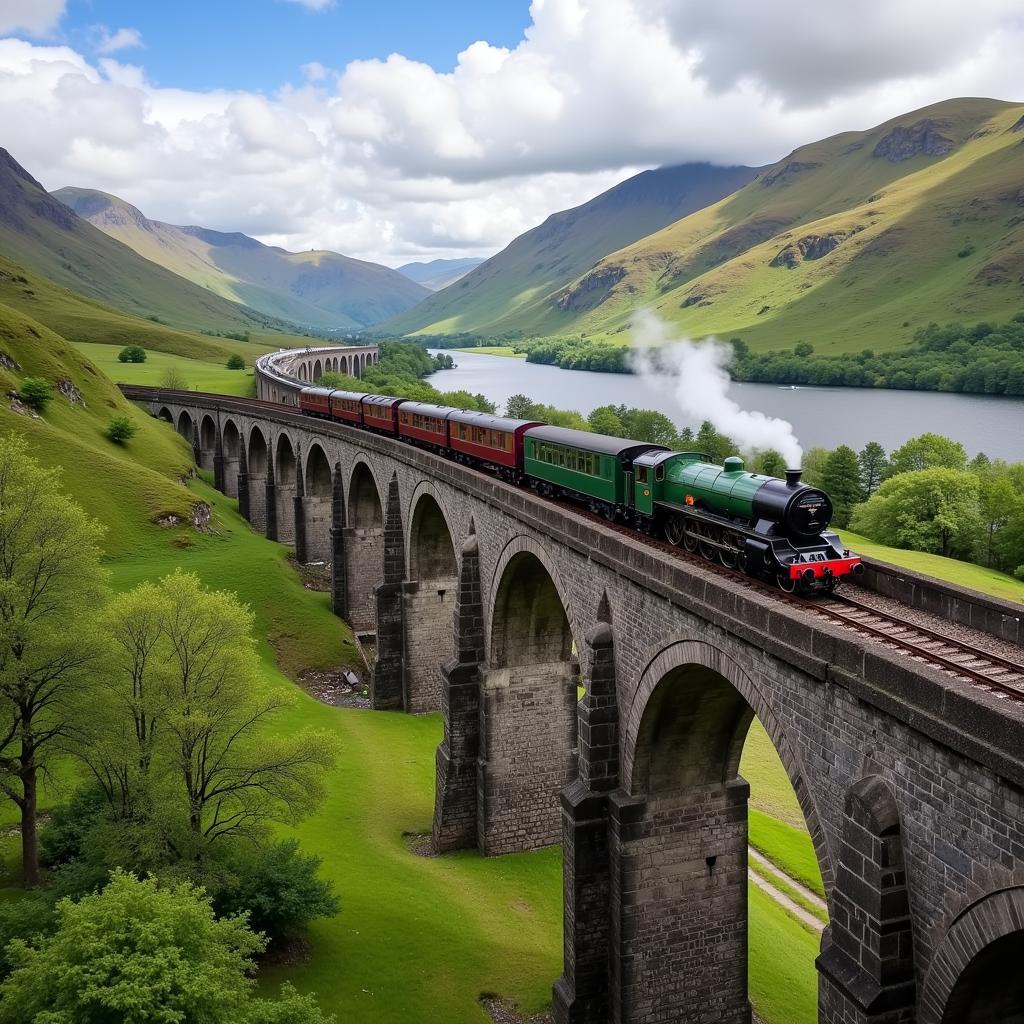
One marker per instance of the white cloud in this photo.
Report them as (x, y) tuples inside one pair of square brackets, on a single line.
[(36, 17), (122, 39), (393, 160)]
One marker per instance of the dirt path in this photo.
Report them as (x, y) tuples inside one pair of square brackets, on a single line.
[(764, 884)]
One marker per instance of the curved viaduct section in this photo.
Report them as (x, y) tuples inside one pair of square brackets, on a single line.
[(281, 375), (910, 780)]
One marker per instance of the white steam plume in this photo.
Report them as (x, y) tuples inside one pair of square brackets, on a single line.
[(696, 375)]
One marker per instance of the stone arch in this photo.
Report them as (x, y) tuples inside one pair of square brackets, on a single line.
[(318, 370), (286, 470), (166, 415), (186, 426), (428, 600), (679, 834), (364, 545), (207, 441), (257, 460), (529, 689), (232, 440), (974, 976), (317, 504)]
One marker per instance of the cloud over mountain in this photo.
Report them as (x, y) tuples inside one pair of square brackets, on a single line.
[(393, 160)]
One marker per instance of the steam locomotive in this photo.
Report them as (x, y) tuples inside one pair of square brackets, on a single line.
[(771, 528)]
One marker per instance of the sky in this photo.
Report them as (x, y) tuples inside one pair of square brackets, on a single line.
[(401, 130)]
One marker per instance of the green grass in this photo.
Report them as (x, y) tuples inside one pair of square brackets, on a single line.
[(200, 374), (784, 884), (783, 988), (771, 792), (789, 849), (493, 350), (964, 574)]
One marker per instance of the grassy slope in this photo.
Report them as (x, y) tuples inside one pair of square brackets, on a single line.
[(510, 290), (321, 289), (897, 268), (965, 574)]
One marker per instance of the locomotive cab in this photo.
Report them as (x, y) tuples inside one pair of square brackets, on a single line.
[(650, 473)]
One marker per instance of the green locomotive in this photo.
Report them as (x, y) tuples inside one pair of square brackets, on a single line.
[(766, 526)]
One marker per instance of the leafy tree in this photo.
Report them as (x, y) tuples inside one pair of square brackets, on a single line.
[(769, 462), (648, 425), (135, 953), (278, 887), (1000, 504), (873, 464), (929, 451), (36, 393), (51, 585), (236, 362), (121, 429), (132, 354), (814, 465), (173, 379), (841, 481), (519, 407), (935, 510), (710, 441), (605, 420), (183, 730)]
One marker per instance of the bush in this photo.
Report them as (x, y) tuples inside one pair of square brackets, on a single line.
[(132, 354), (174, 380), (36, 393), (121, 429), (235, 362), (279, 888), (61, 840)]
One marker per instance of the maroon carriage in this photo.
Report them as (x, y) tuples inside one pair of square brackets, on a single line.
[(315, 402), (346, 406), (380, 412), (481, 437), (426, 423)]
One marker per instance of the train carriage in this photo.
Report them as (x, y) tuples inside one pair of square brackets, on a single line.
[(347, 406), (316, 402), (380, 412), (595, 467), (496, 440), (428, 424)]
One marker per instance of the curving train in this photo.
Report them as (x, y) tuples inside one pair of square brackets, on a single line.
[(771, 528)]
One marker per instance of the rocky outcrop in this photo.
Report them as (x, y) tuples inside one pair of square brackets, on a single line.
[(788, 170), (810, 247), (1019, 125), (904, 143), (592, 288), (9, 362), (993, 273), (70, 392)]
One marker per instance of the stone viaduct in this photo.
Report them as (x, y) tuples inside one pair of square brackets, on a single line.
[(494, 606), (277, 373)]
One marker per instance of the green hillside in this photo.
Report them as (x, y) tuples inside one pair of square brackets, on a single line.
[(852, 242), (513, 290), (42, 234), (316, 289)]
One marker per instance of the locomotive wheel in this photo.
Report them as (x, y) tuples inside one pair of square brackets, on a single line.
[(786, 584), (676, 532), (609, 512), (728, 558), (690, 538), (708, 551)]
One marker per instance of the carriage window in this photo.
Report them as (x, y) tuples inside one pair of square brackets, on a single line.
[(641, 474), (659, 473)]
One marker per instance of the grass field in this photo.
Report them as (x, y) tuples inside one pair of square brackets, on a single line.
[(199, 374), (493, 350), (964, 574)]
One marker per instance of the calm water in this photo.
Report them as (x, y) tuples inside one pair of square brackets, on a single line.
[(823, 417)]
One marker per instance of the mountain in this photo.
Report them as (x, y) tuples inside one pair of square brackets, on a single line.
[(852, 242), (42, 234), (512, 291), (317, 288), (438, 274)]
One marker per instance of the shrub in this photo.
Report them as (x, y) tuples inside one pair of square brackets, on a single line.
[(966, 251), (121, 429), (279, 888), (35, 392), (132, 354), (61, 840), (174, 380), (235, 362)]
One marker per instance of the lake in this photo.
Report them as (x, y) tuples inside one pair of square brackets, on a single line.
[(824, 417)]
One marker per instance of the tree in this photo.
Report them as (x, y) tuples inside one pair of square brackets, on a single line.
[(840, 480), (814, 465), (873, 464), (770, 463), (519, 407), (933, 510), (51, 585), (121, 429), (182, 740), (929, 451), (235, 362), (605, 420), (648, 425), (173, 379), (710, 441), (132, 354), (999, 506), (136, 952), (36, 393)]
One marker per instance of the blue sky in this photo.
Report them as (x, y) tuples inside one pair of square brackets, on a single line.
[(259, 44)]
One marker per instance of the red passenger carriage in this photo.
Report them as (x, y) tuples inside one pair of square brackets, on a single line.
[(380, 412), (481, 437), (346, 406), (315, 402), (420, 421)]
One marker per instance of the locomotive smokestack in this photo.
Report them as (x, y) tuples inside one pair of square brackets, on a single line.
[(793, 477)]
